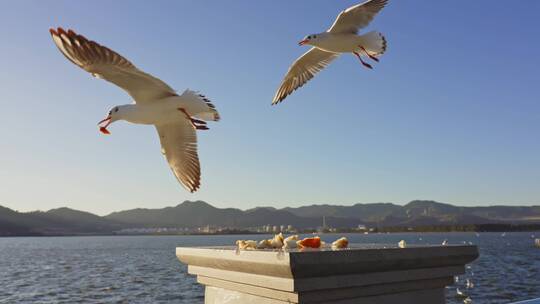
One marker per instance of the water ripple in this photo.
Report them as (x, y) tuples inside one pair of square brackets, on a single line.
[(144, 269)]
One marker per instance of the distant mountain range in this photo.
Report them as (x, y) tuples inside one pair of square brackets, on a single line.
[(65, 221), (61, 221)]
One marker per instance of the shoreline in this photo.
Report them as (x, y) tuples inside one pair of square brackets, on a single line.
[(268, 233)]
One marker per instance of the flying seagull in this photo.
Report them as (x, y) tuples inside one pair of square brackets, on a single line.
[(176, 117), (341, 37)]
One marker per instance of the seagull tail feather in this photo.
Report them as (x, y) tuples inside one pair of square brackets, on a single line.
[(374, 42)]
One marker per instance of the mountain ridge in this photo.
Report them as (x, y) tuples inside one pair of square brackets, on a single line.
[(193, 214)]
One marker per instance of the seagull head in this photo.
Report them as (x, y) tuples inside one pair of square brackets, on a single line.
[(310, 39), (112, 116)]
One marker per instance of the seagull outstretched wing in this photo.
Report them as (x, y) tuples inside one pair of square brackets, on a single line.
[(179, 145), (357, 16), (105, 63), (302, 70)]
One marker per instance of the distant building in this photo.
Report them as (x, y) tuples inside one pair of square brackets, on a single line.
[(324, 227), (206, 229)]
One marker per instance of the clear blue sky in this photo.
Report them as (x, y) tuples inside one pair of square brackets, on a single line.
[(452, 112)]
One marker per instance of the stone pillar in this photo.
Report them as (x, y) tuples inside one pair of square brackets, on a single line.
[(373, 274)]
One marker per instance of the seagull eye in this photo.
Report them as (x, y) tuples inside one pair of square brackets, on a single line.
[(115, 109)]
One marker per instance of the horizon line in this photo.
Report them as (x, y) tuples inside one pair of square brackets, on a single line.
[(299, 206)]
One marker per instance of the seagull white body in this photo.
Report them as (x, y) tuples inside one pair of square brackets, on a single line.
[(164, 111), (176, 117), (342, 37), (340, 43)]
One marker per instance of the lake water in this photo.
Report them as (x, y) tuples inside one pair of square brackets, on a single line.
[(144, 269)]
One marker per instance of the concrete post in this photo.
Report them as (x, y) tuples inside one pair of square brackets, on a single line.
[(373, 274)]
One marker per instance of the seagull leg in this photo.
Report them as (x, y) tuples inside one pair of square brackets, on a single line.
[(196, 123), (368, 54), (367, 65), (185, 113)]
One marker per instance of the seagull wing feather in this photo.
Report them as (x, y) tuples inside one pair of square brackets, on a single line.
[(302, 70), (179, 145), (357, 16), (105, 63)]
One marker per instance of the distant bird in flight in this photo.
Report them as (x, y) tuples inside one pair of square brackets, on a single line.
[(342, 37), (176, 117)]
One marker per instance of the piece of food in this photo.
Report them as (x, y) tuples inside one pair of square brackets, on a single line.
[(290, 242), (291, 238), (402, 244), (104, 130), (249, 244), (277, 241), (340, 243), (264, 244), (314, 242)]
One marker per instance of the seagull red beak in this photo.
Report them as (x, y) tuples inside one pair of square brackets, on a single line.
[(303, 42), (104, 124)]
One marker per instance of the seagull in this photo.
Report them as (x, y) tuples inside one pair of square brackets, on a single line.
[(341, 37), (460, 294), (176, 117)]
